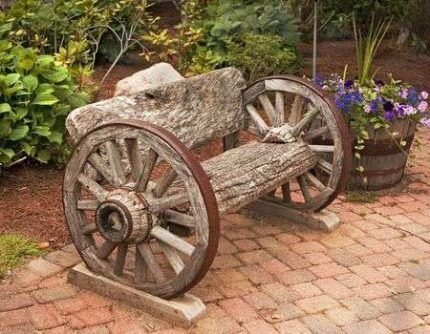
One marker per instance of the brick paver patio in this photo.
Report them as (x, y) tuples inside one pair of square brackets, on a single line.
[(372, 275)]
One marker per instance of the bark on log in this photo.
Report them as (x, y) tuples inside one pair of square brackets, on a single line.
[(196, 110), (242, 175)]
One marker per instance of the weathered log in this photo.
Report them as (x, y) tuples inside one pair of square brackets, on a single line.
[(196, 110), (242, 175)]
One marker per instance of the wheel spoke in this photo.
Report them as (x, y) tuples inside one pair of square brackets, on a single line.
[(164, 203), (87, 204), (99, 165), (280, 107), (307, 118), (179, 218), (268, 108), (286, 192), (165, 182), (315, 133), (151, 160), (173, 257), (140, 268), (172, 240), (153, 266), (136, 164), (322, 148), (296, 110), (258, 120), (325, 166), (89, 229), (93, 187), (106, 249), (304, 188), (120, 259), (314, 181), (114, 157)]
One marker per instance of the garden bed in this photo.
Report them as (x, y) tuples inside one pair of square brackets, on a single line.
[(30, 196)]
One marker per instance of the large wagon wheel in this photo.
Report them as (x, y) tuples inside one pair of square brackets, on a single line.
[(125, 227), (309, 115)]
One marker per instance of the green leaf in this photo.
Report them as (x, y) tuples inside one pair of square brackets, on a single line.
[(30, 82), (5, 45), (19, 132), (43, 156), (12, 78), (5, 107), (56, 75), (21, 112), (8, 153), (56, 137), (41, 130), (45, 99)]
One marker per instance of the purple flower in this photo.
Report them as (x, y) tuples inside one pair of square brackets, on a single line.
[(389, 115), (388, 106), (374, 106), (424, 95), (413, 96), (404, 93), (349, 84), (319, 80), (379, 83), (409, 110)]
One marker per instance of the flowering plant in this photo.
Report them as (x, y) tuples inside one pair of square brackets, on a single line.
[(377, 104)]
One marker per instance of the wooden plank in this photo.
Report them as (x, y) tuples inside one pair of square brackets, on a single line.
[(150, 161), (305, 121), (120, 258), (296, 110), (258, 120), (173, 257), (164, 203), (286, 192), (89, 228), (304, 188), (179, 218), (134, 157), (172, 240), (93, 187), (150, 260), (114, 157), (268, 108), (106, 249), (325, 165), (100, 166), (280, 108), (314, 181), (140, 268), (181, 311), (164, 183), (87, 204), (322, 148)]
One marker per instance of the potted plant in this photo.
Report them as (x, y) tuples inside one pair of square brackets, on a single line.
[(382, 116)]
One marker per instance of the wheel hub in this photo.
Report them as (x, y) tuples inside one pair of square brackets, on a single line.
[(123, 217)]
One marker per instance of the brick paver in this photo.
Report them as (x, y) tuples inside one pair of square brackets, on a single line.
[(371, 275)]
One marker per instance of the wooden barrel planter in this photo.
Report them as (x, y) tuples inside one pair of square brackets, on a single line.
[(383, 159)]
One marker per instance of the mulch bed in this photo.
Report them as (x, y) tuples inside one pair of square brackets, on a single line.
[(30, 195)]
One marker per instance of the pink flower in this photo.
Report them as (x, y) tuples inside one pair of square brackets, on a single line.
[(404, 93), (409, 110), (422, 107), (425, 122), (424, 95)]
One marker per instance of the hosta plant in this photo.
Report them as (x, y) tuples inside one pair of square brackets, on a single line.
[(36, 95)]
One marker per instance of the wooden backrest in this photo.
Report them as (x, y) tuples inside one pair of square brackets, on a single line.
[(196, 110)]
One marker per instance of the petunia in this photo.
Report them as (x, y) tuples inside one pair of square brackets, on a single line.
[(388, 106), (425, 122), (422, 107), (409, 110), (404, 93), (349, 84), (367, 109), (389, 115), (379, 83), (424, 95)]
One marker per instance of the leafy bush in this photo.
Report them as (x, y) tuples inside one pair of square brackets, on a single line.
[(77, 30), (36, 95), (262, 55), (211, 31)]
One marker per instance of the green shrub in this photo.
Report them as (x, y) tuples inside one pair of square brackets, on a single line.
[(210, 31), (262, 55), (36, 95)]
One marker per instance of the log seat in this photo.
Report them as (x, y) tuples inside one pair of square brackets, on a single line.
[(242, 175)]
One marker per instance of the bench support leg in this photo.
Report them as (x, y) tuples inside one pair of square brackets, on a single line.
[(323, 220), (183, 311)]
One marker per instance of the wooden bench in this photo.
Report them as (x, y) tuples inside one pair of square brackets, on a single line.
[(143, 211)]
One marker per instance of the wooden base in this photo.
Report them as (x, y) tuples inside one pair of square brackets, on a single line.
[(183, 311), (323, 220)]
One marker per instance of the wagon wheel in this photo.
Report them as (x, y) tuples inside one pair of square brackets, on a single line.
[(309, 115), (127, 227)]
